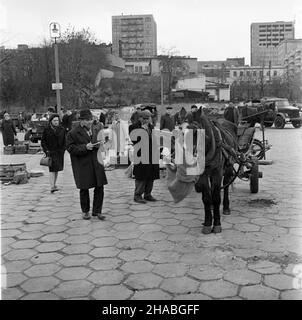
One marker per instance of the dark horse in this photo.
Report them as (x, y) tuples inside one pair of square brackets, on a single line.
[(220, 149)]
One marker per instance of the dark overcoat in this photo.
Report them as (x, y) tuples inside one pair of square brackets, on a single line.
[(167, 122), (8, 132), (53, 143), (87, 171), (144, 171)]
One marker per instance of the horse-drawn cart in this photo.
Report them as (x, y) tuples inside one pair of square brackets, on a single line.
[(250, 151)]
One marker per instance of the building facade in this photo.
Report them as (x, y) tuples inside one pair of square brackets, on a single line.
[(254, 73), (265, 38), (134, 36), (292, 62)]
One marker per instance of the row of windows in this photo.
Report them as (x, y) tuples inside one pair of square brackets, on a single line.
[(253, 73)]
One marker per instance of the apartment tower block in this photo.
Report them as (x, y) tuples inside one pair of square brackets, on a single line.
[(265, 38), (134, 36)]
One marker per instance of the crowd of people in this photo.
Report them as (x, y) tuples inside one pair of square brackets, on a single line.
[(85, 144)]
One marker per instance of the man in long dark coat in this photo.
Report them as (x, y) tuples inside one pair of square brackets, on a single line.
[(87, 170), (8, 130), (144, 174), (167, 121)]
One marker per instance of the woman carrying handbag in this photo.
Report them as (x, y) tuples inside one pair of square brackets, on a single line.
[(53, 144)]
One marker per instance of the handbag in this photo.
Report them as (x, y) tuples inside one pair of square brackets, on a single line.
[(46, 161)]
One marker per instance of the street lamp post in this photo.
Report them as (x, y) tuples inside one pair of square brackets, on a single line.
[(55, 32), (161, 88)]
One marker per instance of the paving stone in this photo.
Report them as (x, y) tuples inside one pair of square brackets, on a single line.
[(72, 289), (243, 277), (228, 261), (204, 257), (171, 270), (274, 230), (291, 295), (179, 285), (29, 235), (262, 221), (249, 253), (107, 252), (130, 244), (25, 244), (105, 264), (289, 223), (246, 227), (32, 227), (50, 247), (259, 292), (42, 270), (123, 235), (106, 277), (175, 229), (151, 294), (124, 226), (73, 273), (192, 296), (78, 239), (133, 254), (205, 272), (137, 266), (76, 260), (104, 242), (168, 222), (40, 296), (54, 237), (265, 267), (140, 281), (77, 249), (218, 289), (119, 219), (119, 292), (13, 279), (20, 254), (75, 231), (153, 236), (296, 231), (40, 284), (17, 266), (279, 281), (54, 229), (164, 257), (11, 225), (150, 227), (11, 294), (46, 257), (10, 233)]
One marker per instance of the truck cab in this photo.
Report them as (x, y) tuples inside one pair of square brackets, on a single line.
[(281, 113)]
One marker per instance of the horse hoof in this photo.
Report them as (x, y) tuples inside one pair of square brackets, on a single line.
[(217, 229), (226, 212), (206, 229)]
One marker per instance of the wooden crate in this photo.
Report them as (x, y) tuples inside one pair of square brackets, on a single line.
[(9, 171), (9, 150)]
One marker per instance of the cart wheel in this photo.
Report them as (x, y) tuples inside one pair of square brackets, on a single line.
[(254, 177), (279, 122), (296, 124), (258, 149)]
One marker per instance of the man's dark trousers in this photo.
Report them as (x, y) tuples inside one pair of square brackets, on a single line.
[(143, 186), (98, 197)]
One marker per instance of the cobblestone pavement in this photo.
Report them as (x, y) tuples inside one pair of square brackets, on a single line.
[(155, 251)]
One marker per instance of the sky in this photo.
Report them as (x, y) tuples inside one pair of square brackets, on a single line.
[(206, 29)]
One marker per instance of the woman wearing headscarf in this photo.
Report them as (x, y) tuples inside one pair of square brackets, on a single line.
[(53, 144), (8, 130)]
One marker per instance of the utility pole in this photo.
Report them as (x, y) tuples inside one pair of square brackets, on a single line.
[(55, 32)]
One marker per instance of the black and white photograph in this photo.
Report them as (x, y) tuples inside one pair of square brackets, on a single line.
[(151, 151)]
